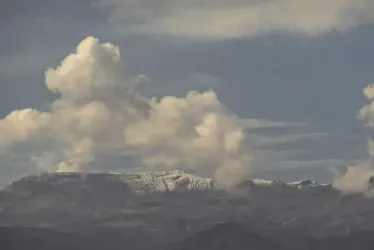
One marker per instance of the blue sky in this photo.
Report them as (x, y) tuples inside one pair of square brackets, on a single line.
[(298, 68)]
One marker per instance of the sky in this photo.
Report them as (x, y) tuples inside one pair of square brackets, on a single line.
[(105, 85)]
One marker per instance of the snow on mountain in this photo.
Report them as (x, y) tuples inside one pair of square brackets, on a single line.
[(164, 181), (159, 181), (280, 184), (307, 184), (145, 182), (153, 200)]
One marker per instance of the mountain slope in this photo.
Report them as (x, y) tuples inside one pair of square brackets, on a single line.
[(162, 209), (227, 236), (230, 235), (156, 202), (47, 239)]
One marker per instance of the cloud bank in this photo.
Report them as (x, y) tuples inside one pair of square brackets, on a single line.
[(237, 18), (100, 112)]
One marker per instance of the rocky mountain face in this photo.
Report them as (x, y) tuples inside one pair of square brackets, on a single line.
[(166, 210)]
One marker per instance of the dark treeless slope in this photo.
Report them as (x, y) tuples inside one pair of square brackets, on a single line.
[(46, 239), (236, 236)]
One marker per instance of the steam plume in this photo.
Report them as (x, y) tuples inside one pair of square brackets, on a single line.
[(356, 179)]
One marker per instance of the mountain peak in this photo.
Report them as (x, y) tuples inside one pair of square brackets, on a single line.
[(278, 183), (146, 182), (143, 182)]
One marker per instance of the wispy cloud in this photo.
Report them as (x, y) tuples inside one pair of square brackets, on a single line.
[(328, 164), (262, 140), (237, 18), (254, 123)]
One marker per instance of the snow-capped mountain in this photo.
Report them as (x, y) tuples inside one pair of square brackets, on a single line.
[(279, 184), (145, 182), (151, 182), (171, 204)]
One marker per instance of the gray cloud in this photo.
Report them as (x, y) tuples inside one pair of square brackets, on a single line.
[(237, 18)]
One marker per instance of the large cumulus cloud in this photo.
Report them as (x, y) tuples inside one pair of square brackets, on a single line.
[(100, 112)]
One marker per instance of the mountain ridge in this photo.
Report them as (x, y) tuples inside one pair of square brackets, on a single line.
[(149, 201), (161, 181)]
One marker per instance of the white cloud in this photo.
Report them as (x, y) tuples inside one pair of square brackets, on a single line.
[(100, 112), (356, 179), (237, 18), (20, 125)]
